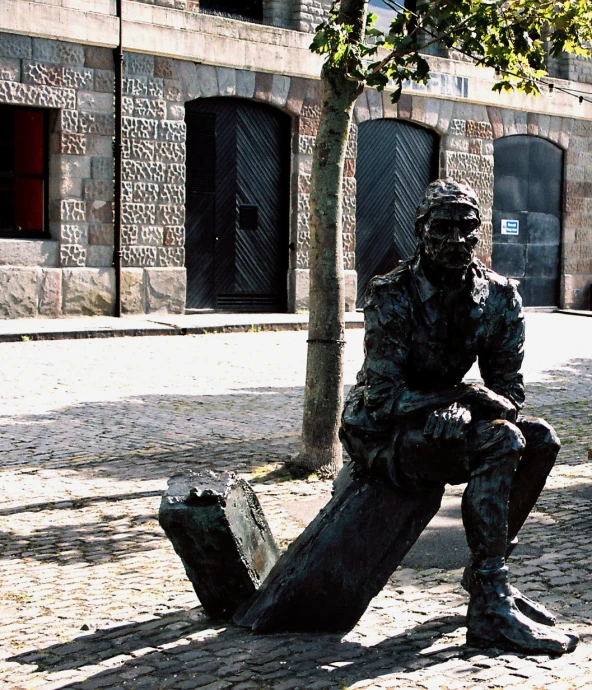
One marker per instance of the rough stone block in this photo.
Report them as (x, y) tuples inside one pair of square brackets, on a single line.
[(174, 236), (104, 81), (50, 295), (10, 68), (145, 193), (226, 81), (72, 210), (172, 90), (145, 171), (15, 46), (19, 291), (138, 63), (132, 290), (102, 168), (280, 87), (170, 214), (58, 52), (96, 123), (151, 108), (99, 255), (169, 151), (98, 189), (67, 121), (172, 194), (208, 80), (175, 111), (171, 130), (100, 233), (88, 291), (151, 235), (130, 234), (68, 143), (72, 255), (167, 67), (73, 233), (174, 173), (139, 128), (45, 74), (171, 257), (142, 149), (245, 83), (165, 290), (326, 579), (135, 86), (28, 252), (99, 211), (218, 529), (138, 213), (375, 108), (138, 256), (31, 94), (98, 58), (94, 102)]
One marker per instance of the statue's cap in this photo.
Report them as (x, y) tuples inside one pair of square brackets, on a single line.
[(444, 192)]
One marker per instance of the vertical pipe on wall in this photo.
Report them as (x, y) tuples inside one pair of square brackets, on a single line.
[(117, 157)]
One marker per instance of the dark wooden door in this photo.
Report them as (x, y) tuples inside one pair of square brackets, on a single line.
[(395, 163), (527, 201), (238, 155)]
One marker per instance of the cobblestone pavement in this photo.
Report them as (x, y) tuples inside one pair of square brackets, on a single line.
[(93, 595)]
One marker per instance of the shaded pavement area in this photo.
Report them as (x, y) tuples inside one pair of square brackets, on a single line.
[(93, 595)]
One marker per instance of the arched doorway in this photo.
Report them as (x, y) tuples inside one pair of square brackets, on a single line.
[(527, 216), (396, 161), (237, 236)]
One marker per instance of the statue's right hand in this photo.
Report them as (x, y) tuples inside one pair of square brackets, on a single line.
[(448, 423)]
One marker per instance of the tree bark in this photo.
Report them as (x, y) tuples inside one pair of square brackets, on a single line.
[(323, 396)]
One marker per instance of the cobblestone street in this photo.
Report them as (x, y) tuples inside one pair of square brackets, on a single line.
[(93, 595)]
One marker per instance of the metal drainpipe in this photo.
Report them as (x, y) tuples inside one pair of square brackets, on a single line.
[(117, 156)]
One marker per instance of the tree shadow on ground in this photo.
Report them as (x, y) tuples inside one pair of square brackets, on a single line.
[(223, 651), (150, 437)]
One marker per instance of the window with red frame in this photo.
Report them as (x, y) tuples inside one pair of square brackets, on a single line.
[(23, 172)]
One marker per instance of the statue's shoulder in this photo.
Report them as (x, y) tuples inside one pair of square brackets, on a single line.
[(393, 284), (497, 282)]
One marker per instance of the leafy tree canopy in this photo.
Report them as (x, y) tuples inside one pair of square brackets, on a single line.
[(512, 36)]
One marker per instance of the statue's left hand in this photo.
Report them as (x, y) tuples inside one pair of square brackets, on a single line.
[(448, 423)]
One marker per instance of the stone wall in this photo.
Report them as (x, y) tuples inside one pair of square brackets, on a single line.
[(153, 198), (308, 14), (75, 274)]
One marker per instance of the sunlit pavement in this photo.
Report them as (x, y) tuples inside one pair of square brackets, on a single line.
[(93, 595)]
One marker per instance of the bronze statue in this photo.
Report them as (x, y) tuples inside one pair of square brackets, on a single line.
[(411, 426), (411, 420)]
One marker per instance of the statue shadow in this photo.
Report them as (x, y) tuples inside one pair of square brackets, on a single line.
[(223, 651)]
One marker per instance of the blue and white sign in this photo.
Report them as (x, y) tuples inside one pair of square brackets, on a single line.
[(510, 227)]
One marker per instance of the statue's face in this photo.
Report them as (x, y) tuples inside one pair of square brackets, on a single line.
[(450, 236)]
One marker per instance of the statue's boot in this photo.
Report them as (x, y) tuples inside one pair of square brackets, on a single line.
[(494, 620), (529, 608)]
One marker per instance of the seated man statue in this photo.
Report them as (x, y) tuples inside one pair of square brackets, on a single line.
[(412, 420)]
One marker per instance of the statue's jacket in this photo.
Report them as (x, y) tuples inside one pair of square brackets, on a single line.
[(419, 340)]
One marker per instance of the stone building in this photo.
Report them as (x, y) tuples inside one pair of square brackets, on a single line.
[(220, 100)]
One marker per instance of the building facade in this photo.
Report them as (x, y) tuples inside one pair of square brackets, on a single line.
[(219, 108)]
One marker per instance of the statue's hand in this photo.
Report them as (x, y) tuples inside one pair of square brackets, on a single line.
[(448, 423), (493, 404)]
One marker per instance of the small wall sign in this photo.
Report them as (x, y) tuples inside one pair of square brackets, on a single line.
[(510, 227)]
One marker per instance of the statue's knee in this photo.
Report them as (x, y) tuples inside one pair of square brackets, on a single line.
[(512, 438), (545, 436)]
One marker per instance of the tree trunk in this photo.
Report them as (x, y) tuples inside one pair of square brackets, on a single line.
[(323, 396)]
